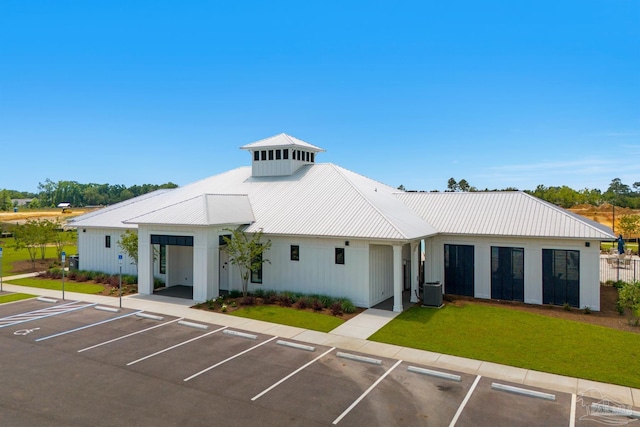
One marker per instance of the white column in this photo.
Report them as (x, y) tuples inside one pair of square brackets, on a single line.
[(397, 278), (145, 263), (415, 263)]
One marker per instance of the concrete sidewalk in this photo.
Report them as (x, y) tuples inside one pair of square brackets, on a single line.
[(352, 336)]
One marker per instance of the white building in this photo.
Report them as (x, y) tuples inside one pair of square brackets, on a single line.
[(339, 233)]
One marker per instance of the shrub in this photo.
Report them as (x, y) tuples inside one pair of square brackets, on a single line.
[(129, 279), (259, 293), (113, 281), (302, 303), (290, 296), (235, 293), (317, 304), (587, 310), (72, 275), (347, 306), (327, 300), (270, 297), (566, 306), (248, 300), (336, 308), (157, 283), (82, 277), (101, 278), (211, 304), (285, 301)]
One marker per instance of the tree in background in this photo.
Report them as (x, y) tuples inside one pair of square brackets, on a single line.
[(247, 253), (629, 224), (5, 201), (452, 185), (28, 236)]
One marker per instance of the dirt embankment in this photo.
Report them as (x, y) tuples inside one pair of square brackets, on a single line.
[(21, 217), (604, 214)]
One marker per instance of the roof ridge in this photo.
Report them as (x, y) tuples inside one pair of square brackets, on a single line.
[(393, 225), (589, 223)]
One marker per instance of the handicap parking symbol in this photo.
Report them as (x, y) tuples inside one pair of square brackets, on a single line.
[(25, 331)]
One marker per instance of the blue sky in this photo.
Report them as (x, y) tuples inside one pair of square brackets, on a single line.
[(502, 94)]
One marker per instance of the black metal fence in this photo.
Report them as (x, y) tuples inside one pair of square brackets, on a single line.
[(614, 268)]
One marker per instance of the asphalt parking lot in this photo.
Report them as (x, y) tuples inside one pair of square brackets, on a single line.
[(73, 363)]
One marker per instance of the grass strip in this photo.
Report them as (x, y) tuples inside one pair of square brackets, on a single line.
[(14, 297), (520, 339), (11, 255), (290, 317), (83, 288)]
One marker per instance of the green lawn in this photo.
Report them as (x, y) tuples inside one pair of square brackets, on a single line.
[(10, 255), (14, 297), (605, 246), (83, 288), (290, 317), (516, 338)]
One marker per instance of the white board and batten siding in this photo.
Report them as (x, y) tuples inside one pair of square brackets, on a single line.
[(97, 257), (589, 264), (316, 272)]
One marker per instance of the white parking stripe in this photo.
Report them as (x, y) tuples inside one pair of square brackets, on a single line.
[(259, 395), (464, 402), (16, 319), (175, 346), (572, 416), (128, 335), (86, 326), (363, 395), (228, 359)]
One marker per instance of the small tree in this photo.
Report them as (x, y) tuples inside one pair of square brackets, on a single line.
[(129, 244), (629, 298), (27, 236), (629, 224), (246, 253)]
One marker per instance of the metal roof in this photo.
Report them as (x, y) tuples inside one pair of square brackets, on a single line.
[(281, 140), (509, 213), (322, 199), (317, 200), (207, 209)]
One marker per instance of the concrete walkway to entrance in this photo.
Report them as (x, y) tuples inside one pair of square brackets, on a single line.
[(349, 336)]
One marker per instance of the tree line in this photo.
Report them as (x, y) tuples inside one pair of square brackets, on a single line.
[(618, 193), (51, 193)]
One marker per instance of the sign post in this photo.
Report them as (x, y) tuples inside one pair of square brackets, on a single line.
[(63, 257), (0, 269), (120, 278)]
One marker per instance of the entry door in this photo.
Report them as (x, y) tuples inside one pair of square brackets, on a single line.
[(561, 277), (224, 271), (459, 270)]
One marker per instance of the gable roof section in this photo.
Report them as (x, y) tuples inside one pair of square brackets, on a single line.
[(281, 140), (207, 209), (509, 213), (112, 216)]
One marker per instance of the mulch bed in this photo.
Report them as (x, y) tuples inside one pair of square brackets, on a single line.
[(233, 304)]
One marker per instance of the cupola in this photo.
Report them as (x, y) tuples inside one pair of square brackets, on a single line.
[(280, 155)]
